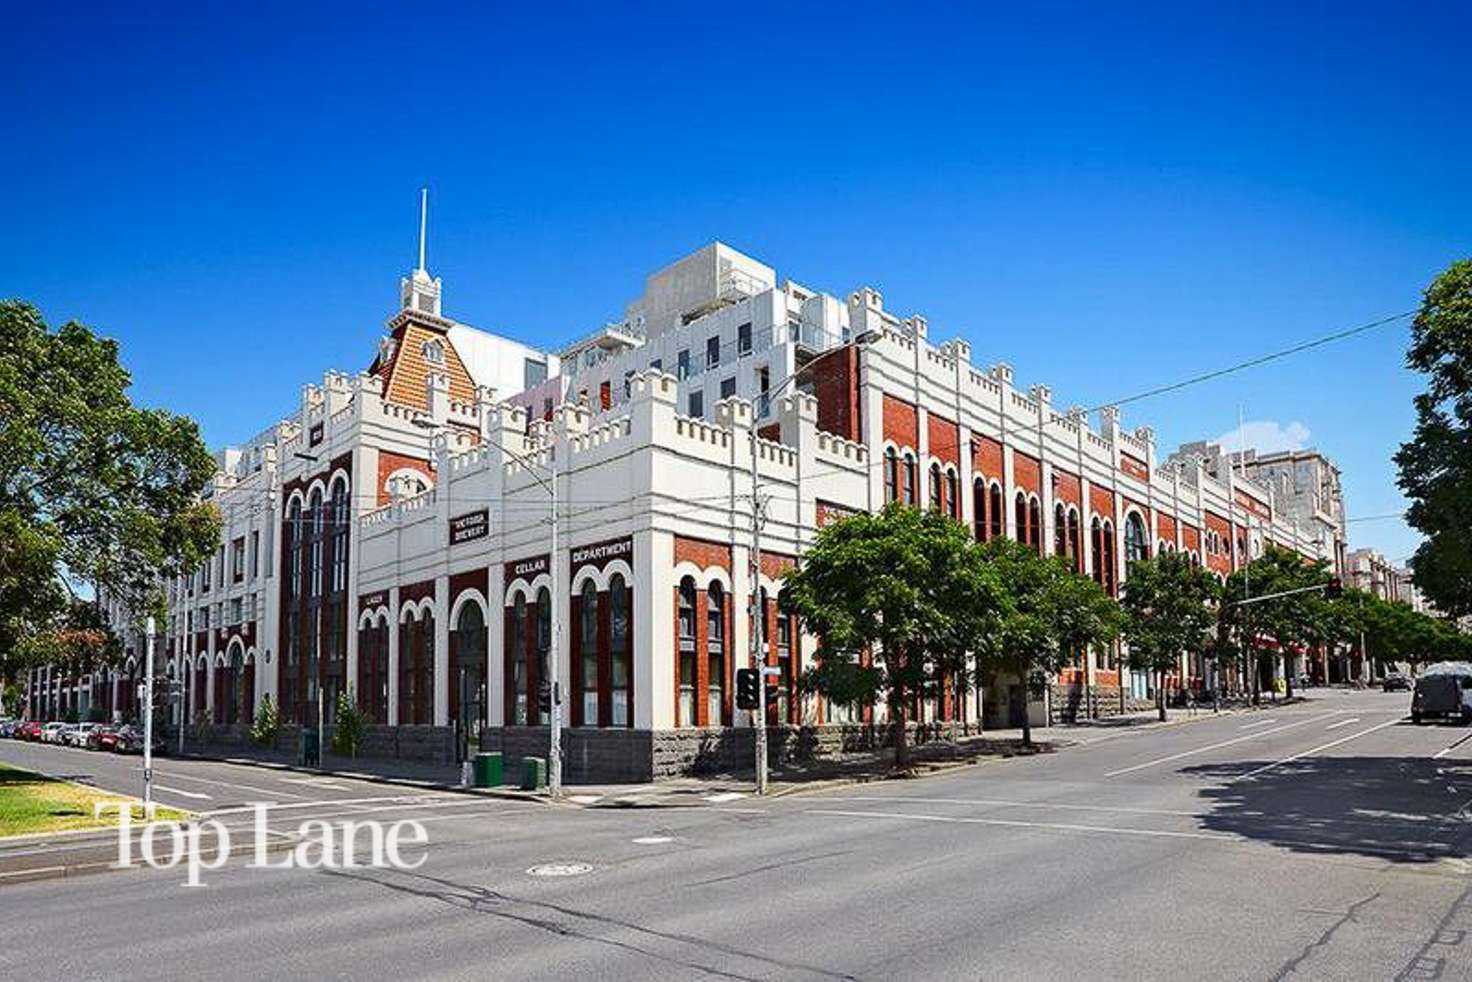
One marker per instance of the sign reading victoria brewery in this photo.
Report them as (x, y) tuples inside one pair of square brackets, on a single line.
[(314, 435), (472, 525)]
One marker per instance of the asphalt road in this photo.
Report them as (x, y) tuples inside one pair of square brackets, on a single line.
[(1323, 841)]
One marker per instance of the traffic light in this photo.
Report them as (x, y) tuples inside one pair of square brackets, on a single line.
[(1335, 588), (748, 688)]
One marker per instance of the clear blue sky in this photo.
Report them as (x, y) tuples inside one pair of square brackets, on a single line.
[(1108, 200)]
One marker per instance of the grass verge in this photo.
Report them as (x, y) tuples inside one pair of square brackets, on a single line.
[(31, 803)]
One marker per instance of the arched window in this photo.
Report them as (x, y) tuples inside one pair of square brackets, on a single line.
[(1060, 531), (1019, 515), (911, 492), (317, 517), (715, 649), (1109, 558), (516, 662), (1136, 545), (1096, 550), (1035, 525), (588, 650), (891, 475), (468, 673), (293, 535), (978, 509), (935, 487), (373, 672), (339, 537), (544, 651), (953, 495), (434, 352), (687, 652), (995, 514), (620, 657)]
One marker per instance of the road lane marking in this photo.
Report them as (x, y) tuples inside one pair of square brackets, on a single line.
[(1448, 749), (1343, 722), (1326, 746), (176, 776), (652, 840), (724, 796), (185, 794), (1419, 849), (335, 802), (1261, 722), (1215, 746), (999, 803)]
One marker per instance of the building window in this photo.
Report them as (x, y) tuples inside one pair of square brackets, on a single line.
[(978, 509), (1074, 557), (516, 660), (533, 373), (339, 520), (995, 513), (1060, 531), (468, 673), (237, 559), (1019, 516), (911, 491), (620, 658), (743, 339), (1035, 525), (628, 384), (373, 672), (728, 387), (1136, 547), (713, 351), (316, 516), (682, 365), (656, 365), (434, 352), (715, 649), (953, 496), (588, 650), (605, 395), (935, 488), (891, 475), (1096, 543), (687, 653), (235, 608), (697, 405), (255, 554)]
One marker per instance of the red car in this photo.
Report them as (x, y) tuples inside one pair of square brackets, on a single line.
[(30, 730), (108, 738)]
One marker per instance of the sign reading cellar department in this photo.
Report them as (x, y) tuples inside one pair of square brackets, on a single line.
[(600, 554)]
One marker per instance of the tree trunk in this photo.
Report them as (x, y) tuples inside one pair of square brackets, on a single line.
[(1288, 675), (901, 741), (1026, 727), (1160, 695)]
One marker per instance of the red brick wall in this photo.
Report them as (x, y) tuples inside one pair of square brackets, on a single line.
[(1134, 467), (389, 462), (945, 440), (702, 553), (1190, 538), (901, 423), (1066, 488), (1101, 501), (986, 457), (1167, 528), (1027, 473), (775, 564), (1220, 563), (836, 387)]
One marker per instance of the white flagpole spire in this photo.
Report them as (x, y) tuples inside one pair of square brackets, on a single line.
[(423, 219)]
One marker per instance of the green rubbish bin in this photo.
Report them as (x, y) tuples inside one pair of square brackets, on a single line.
[(533, 773), (487, 770), (310, 754)]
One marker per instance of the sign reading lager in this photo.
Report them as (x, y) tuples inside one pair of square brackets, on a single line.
[(471, 525)]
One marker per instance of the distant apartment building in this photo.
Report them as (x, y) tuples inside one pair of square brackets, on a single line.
[(1370, 571)]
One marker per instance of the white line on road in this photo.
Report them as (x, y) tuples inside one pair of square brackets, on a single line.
[(1009, 823), (1215, 746), (184, 794), (999, 803), (337, 802), (1261, 722), (1326, 746), (1343, 722), (277, 792), (723, 797)]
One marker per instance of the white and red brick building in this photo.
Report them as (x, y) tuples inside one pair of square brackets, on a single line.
[(393, 536)]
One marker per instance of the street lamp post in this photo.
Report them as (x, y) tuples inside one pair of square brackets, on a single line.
[(148, 717), (758, 618)]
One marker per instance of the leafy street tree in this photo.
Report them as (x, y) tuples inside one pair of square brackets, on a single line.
[(1436, 465), (1292, 623), (351, 726), (904, 586), (267, 724), (1170, 609), (92, 488), (1046, 615)]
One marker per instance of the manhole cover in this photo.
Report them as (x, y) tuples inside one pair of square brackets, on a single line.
[(560, 869)]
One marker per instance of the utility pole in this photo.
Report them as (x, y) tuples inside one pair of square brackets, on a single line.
[(759, 614), (148, 718), (554, 754)]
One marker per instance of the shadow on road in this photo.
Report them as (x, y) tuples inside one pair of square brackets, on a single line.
[(1406, 810)]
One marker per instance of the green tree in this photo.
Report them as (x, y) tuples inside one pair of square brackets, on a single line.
[(1292, 622), (1170, 609), (92, 488), (267, 724), (1046, 615), (351, 726), (1436, 465), (904, 585)]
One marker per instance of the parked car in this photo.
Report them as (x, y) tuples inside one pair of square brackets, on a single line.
[(52, 732), (1397, 682), (1443, 690), (130, 741), (8, 727), (80, 734), (107, 738), (33, 730)]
